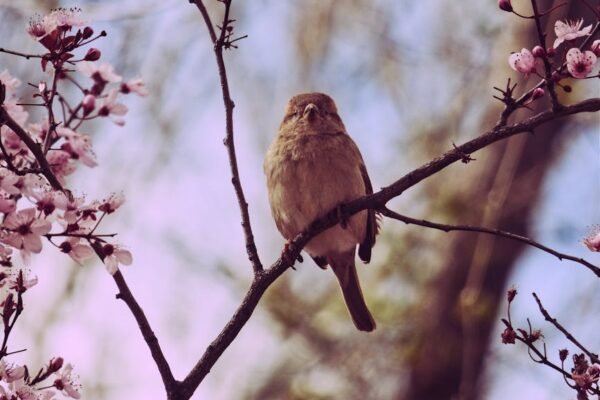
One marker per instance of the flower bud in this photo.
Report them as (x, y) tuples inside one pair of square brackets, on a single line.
[(88, 104), (562, 354), (508, 336), (92, 54), (55, 364), (510, 294), (551, 52), (538, 51), (505, 5), (537, 93), (87, 32), (596, 47)]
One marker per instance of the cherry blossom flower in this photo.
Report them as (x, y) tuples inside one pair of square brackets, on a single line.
[(49, 201), (61, 163), (523, 62), (73, 210), (569, 30), (79, 146), (10, 373), (78, 251), (23, 391), (115, 255), (25, 230), (67, 18), (103, 73), (38, 131), (136, 85), (592, 241), (8, 180), (111, 204), (580, 64), (110, 106), (88, 103), (7, 205), (21, 281), (66, 383), (14, 145), (11, 83), (31, 184)]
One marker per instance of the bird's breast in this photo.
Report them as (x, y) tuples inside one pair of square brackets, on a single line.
[(309, 175)]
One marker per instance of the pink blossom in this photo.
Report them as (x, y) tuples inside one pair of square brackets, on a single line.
[(88, 103), (66, 383), (25, 230), (38, 131), (73, 210), (115, 255), (13, 144), (580, 64), (49, 201), (7, 205), (523, 62), (78, 251), (110, 106), (11, 83), (592, 241), (136, 85), (103, 73), (111, 204), (17, 112), (39, 27), (10, 373), (8, 180), (30, 184), (21, 281), (79, 146), (61, 163), (569, 30), (23, 391)]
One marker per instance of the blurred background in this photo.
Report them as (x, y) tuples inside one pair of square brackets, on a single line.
[(410, 79)]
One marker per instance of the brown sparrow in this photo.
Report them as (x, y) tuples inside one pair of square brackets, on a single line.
[(313, 166)]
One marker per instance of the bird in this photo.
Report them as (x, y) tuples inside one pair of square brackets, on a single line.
[(313, 166)]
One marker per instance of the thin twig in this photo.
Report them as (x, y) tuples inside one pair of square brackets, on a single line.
[(229, 142), (171, 385), (496, 232), (547, 66), (593, 357)]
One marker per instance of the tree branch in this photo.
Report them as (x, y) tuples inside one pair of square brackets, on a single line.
[(219, 45), (496, 232), (6, 119), (171, 385), (593, 357)]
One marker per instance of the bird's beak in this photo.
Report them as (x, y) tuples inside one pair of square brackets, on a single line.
[(311, 110)]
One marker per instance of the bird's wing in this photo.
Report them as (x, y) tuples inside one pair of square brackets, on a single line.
[(364, 250)]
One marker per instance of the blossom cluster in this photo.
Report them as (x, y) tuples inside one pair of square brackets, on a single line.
[(30, 207), (15, 380), (36, 157), (579, 64)]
